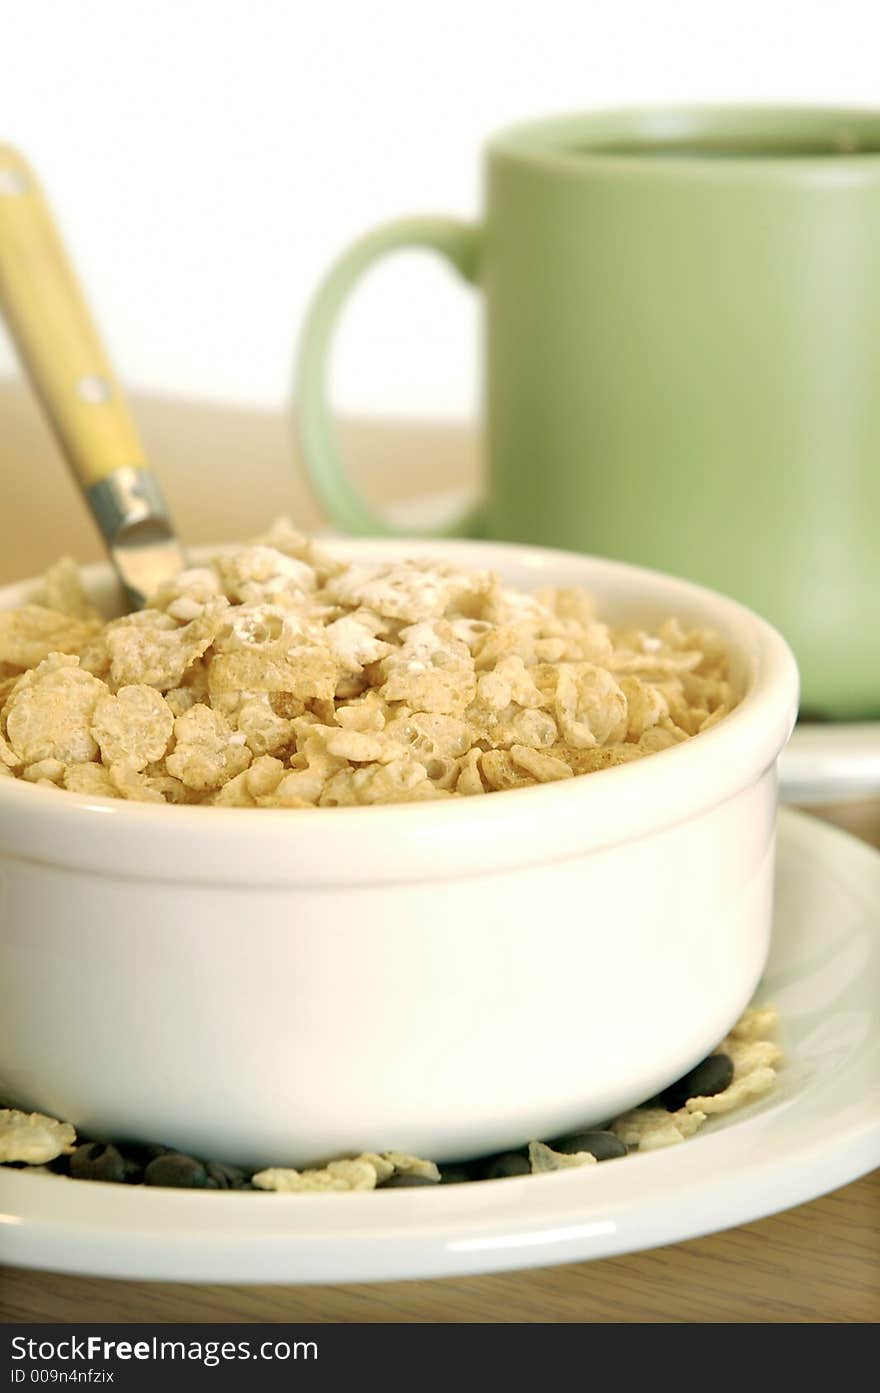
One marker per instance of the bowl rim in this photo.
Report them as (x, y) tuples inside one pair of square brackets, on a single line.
[(403, 842)]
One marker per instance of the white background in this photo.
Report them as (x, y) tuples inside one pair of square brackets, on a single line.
[(207, 158)]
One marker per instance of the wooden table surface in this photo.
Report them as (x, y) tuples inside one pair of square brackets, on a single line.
[(227, 473)]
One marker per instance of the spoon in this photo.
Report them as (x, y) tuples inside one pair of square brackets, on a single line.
[(69, 370)]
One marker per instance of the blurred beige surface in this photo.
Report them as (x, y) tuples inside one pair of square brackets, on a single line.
[(226, 474)]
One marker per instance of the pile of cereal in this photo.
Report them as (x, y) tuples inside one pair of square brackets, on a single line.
[(741, 1070), (279, 677)]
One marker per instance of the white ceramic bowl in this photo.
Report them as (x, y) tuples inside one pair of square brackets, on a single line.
[(280, 986)]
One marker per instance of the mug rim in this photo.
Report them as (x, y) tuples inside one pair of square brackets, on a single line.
[(548, 142)]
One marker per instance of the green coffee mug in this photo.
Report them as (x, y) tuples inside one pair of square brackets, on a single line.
[(683, 361)]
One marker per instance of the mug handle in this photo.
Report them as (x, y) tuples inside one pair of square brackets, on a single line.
[(459, 242)]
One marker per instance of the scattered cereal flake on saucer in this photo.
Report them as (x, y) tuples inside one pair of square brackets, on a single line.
[(754, 1060), (754, 1075), (743, 1090), (403, 1163), (362, 1172), (650, 1128), (543, 1158), (337, 1176), (755, 1023), (33, 1137), (749, 1055), (381, 1165)]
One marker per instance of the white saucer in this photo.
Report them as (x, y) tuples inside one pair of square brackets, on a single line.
[(819, 1130)]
